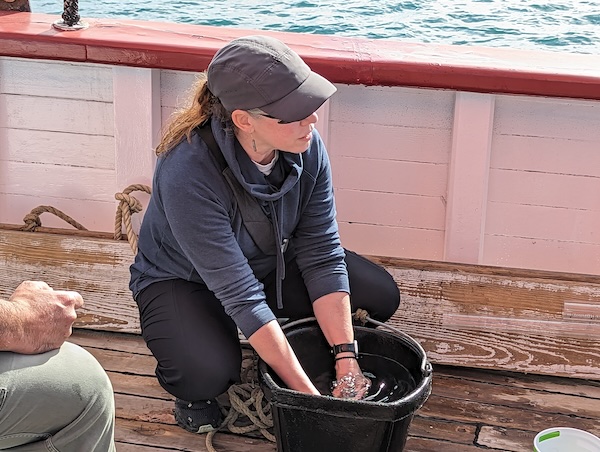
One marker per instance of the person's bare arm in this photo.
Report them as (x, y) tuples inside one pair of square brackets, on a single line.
[(334, 314), (270, 343), (37, 318)]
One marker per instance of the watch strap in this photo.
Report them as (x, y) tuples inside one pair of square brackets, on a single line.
[(352, 347)]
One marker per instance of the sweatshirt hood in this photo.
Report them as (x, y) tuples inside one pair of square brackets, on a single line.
[(245, 171)]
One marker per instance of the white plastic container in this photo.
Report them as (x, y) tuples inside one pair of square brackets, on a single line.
[(564, 439)]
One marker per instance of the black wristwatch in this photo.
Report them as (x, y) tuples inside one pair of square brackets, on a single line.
[(340, 348)]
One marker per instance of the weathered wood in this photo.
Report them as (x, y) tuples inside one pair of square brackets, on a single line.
[(97, 268), (428, 427), (438, 297), (507, 439), (428, 445), (161, 437), (469, 409), (464, 315)]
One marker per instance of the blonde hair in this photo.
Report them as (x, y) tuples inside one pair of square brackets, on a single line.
[(203, 104)]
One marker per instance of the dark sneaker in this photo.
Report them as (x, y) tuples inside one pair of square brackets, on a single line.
[(202, 416)]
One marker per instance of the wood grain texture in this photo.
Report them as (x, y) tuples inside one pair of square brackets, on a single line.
[(432, 293), (469, 410), (97, 268), (463, 315)]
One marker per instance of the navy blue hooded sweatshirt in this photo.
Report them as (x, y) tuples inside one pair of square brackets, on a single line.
[(193, 230)]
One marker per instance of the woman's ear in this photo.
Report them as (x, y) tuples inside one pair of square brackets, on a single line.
[(242, 120)]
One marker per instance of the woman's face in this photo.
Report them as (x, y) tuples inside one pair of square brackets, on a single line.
[(292, 137)]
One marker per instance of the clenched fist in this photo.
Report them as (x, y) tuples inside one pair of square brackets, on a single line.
[(37, 318)]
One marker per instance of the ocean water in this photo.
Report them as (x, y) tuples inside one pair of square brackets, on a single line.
[(555, 25)]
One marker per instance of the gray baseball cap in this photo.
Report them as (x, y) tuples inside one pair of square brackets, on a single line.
[(262, 72)]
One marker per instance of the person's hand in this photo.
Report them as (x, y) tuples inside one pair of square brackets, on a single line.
[(42, 317), (350, 382)]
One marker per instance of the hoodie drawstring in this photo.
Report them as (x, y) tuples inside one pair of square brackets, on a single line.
[(281, 247)]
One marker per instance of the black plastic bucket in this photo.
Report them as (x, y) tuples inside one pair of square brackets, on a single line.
[(401, 383)]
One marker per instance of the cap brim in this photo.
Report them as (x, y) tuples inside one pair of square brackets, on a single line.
[(303, 101)]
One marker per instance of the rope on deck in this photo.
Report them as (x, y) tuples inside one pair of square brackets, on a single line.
[(249, 410), (246, 400)]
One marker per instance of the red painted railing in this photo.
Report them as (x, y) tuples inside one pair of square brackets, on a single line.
[(341, 60)]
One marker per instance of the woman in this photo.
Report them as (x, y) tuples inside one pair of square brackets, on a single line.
[(245, 233)]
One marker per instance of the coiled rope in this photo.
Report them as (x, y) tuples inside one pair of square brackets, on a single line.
[(128, 205), (249, 410)]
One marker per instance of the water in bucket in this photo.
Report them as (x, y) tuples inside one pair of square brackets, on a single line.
[(390, 380), (401, 383), (563, 439)]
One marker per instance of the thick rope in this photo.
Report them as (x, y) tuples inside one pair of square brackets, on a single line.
[(247, 400), (70, 12), (128, 205), (32, 220), (247, 404), (361, 316)]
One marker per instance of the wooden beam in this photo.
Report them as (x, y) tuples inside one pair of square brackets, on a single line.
[(463, 315), (499, 318), (96, 266)]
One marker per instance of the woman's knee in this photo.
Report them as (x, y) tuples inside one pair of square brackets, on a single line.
[(373, 288), (198, 379)]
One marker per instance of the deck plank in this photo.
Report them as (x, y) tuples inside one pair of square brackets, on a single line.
[(469, 409)]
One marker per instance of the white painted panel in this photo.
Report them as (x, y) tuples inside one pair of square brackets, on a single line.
[(390, 142), (41, 113), (93, 215), (468, 177), (389, 176), (57, 181), (527, 221), (551, 255), (56, 79), (546, 117), (165, 115), (544, 189), (137, 124), (176, 88), (548, 155), (58, 148), (394, 242), (411, 107), (390, 209)]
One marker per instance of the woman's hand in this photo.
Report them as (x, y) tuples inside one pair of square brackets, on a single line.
[(350, 382)]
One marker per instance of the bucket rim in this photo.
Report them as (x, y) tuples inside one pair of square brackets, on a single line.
[(555, 432), (426, 367), (411, 396), (397, 410)]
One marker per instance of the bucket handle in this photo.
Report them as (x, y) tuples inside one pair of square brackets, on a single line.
[(426, 367)]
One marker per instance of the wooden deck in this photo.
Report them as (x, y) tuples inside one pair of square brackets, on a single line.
[(469, 410)]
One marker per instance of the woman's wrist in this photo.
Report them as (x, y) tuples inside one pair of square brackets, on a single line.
[(346, 366)]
